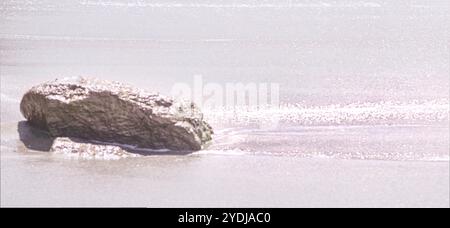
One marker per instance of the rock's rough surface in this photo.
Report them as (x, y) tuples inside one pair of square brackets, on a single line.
[(80, 149), (108, 111)]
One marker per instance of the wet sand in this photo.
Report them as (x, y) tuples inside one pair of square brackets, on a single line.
[(30, 176), (221, 181)]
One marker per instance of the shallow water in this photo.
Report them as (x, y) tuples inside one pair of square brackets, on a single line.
[(364, 100)]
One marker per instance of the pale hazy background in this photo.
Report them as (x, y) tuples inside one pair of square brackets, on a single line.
[(364, 87)]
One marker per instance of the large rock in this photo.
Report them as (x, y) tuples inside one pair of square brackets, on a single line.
[(112, 112)]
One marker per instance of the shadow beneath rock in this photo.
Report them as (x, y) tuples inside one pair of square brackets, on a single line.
[(150, 152), (131, 149), (39, 140), (33, 138)]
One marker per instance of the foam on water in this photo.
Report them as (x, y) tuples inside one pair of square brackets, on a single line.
[(370, 142), (230, 4), (386, 112), (407, 131), (25, 37)]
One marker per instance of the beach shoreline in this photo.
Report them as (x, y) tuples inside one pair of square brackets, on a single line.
[(221, 181), (361, 90)]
